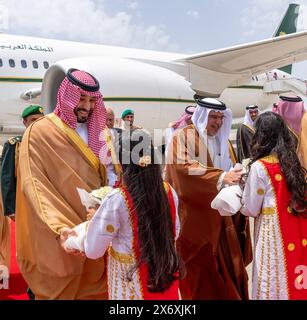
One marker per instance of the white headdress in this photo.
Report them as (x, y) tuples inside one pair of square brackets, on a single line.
[(247, 119), (200, 121)]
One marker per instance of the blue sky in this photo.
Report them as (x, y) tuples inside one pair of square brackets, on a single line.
[(168, 25)]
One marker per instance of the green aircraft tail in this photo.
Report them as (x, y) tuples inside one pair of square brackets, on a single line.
[(288, 25)]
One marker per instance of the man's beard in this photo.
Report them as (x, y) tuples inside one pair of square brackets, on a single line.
[(82, 119)]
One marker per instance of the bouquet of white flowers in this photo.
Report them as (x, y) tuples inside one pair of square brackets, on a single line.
[(101, 193), (89, 200)]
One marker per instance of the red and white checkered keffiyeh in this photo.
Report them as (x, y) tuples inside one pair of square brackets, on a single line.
[(292, 112), (184, 118), (69, 97)]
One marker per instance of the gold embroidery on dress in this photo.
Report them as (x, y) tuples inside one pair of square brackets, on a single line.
[(111, 278), (123, 281), (260, 192), (268, 210), (277, 266), (137, 278), (291, 246), (116, 280), (110, 228), (132, 291), (268, 258), (304, 242), (121, 257), (272, 158), (261, 263), (278, 177), (278, 227)]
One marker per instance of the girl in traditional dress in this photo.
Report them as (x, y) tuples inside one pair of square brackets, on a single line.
[(138, 225), (275, 195)]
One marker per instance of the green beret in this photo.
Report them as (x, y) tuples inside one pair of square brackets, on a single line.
[(32, 109), (126, 112)]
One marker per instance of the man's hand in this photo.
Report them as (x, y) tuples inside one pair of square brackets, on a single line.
[(232, 177), (12, 216), (65, 233)]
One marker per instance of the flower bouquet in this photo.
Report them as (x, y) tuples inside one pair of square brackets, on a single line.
[(93, 199), (89, 200)]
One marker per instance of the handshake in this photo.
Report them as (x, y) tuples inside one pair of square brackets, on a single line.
[(72, 240)]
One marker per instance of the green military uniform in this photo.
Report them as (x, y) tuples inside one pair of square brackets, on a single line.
[(10, 163), (9, 173)]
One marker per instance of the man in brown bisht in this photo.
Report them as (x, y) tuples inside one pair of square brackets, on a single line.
[(211, 246), (59, 153)]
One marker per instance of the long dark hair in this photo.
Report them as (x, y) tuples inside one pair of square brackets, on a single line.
[(273, 136), (155, 227)]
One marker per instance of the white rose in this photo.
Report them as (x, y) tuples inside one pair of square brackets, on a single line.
[(102, 192)]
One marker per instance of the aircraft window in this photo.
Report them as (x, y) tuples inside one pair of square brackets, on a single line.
[(12, 63), (46, 64), (35, 64), (1, 63), (23, 63)]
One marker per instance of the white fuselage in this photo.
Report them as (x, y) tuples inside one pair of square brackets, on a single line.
[(24, 61)]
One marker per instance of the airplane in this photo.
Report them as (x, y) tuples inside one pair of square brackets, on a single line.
[(157, 85)]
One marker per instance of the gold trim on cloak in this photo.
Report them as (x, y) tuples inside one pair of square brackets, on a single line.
[(232, 153), (240, 128), (108, 139), (249, 127), (294, 133), (80, 144), (16, 157)]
